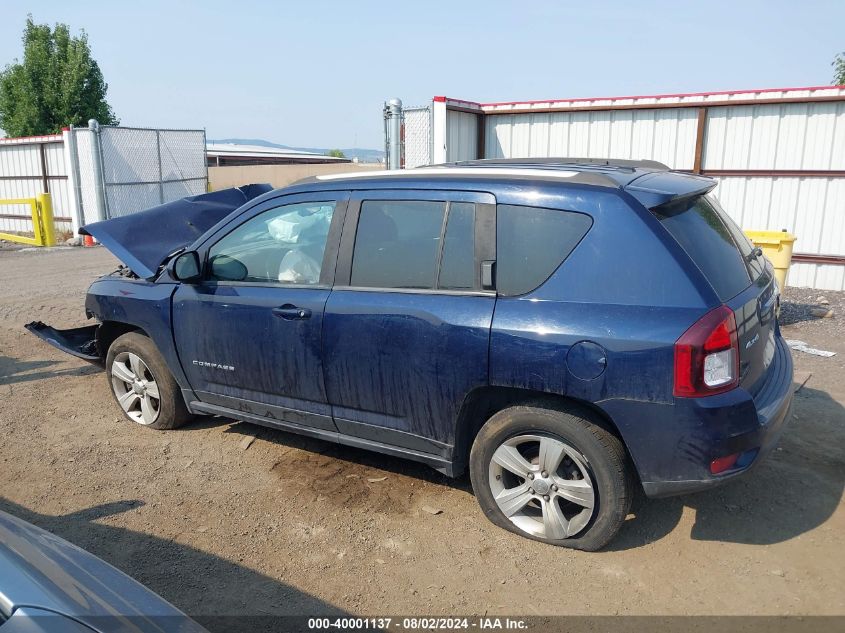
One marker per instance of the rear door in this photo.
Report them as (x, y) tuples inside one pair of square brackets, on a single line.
[(741, 277), (407, 326)]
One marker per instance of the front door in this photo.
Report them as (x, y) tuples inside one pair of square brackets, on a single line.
[(407, 326), (249, 334)]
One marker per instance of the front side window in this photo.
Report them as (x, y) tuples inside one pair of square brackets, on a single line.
[(281, 245), (531, 242)]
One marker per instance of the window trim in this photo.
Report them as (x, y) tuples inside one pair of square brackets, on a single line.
[(485, 235), (329, 264)]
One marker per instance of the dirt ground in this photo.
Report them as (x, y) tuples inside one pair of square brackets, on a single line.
[(292, 525)]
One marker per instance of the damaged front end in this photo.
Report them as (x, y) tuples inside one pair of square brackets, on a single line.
[(80, 341), (144, 242)]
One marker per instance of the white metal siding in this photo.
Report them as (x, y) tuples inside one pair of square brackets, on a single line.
[(811, 208), (789, 136), (746, 136), (21, 157), (665, 135), (461, 135)]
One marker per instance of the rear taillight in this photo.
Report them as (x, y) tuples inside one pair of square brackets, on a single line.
[(707, 356)]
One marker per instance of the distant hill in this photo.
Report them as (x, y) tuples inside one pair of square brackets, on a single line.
[(362, 154)]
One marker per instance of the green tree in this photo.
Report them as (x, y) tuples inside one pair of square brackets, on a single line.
[(336, 153), (57, 84), (839, 69)]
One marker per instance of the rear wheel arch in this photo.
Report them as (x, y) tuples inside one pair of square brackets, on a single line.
[(483, 403), (553, 475)]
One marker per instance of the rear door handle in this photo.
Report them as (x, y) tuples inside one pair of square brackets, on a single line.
[(290, 312)]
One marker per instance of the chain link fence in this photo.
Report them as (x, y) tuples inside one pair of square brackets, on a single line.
[(144, 167), (417, 141)]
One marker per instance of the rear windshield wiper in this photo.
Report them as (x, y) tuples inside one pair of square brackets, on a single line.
[(754, 254)]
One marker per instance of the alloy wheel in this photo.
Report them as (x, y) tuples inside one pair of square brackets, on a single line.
[(543, 485), (135, 388)]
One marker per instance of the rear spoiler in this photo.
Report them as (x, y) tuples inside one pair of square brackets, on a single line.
[(660, 187)]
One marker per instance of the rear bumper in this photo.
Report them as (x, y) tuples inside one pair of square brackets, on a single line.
[(80, 342), (756, 445), (672, 445)]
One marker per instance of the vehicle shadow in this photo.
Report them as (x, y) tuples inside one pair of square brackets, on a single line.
[(349, 454), (795, 489), (219, 594), (768, 505), (15, 371)]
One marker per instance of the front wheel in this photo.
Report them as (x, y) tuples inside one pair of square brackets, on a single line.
[(142, 384), (551, 475)]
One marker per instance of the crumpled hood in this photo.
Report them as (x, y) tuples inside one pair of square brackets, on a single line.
[(142, 240), (38, 569)]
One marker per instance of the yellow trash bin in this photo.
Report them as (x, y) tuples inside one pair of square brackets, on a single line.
[(777, 247)]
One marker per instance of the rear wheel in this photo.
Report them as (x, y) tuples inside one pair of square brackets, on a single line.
[(551, 475), (142, 384)]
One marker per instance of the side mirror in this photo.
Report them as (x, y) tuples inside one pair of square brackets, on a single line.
[(186, 267)]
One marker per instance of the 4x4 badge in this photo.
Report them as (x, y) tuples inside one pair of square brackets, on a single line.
[(752, 341)]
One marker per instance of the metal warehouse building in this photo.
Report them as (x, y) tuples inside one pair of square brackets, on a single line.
[(778, 154), (238, 154)]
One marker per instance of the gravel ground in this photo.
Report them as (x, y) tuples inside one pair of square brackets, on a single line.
[(291, 525)]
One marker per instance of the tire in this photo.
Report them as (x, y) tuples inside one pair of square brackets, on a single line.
[(581, 503), (136, 373)]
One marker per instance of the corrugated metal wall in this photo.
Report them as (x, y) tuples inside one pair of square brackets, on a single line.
[(461, 136), (803, 137), (664, 135), (797, 133), (21, 177)]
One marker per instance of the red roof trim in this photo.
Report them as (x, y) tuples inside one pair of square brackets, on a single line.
[(466, 101), (46, 137), (680, 95), (439, 99)]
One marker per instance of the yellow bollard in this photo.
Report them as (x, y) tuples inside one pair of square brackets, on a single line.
[(45, 216)]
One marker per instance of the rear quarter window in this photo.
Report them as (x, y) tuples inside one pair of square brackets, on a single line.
[(531, 242), (698, 226)]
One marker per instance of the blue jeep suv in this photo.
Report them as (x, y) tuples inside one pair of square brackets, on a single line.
[(568, 330)]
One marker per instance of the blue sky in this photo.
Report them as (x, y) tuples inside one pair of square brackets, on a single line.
[(316, 73)]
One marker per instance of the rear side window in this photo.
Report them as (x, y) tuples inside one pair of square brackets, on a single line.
[(531, 242), (415, 244), (698, 227), (457, 267), (397, 244)]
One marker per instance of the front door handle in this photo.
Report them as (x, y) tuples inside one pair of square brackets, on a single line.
[(290, 312)]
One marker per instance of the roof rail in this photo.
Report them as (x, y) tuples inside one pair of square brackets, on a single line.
[(563, 161)]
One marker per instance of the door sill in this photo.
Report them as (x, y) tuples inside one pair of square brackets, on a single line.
[(440, 464)]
